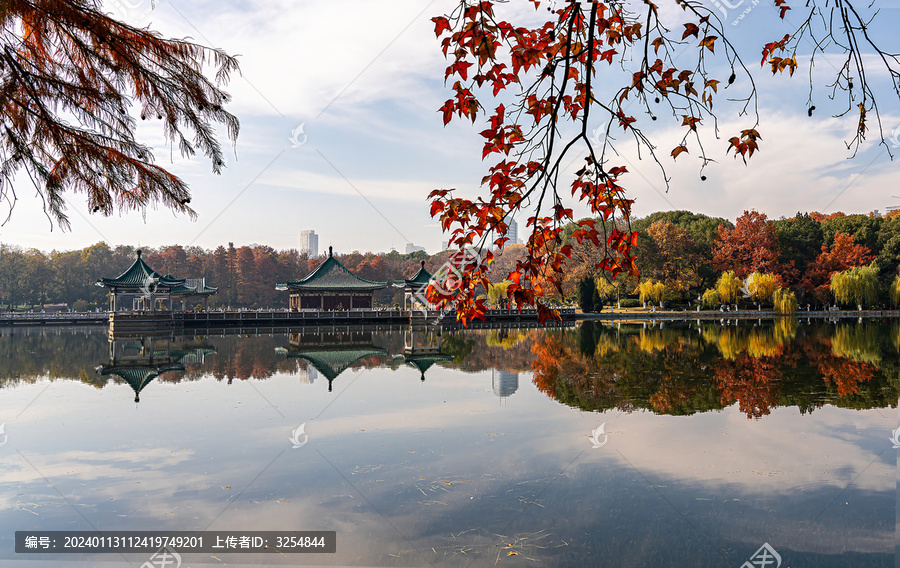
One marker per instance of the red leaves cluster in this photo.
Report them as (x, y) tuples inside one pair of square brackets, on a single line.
[(746, 144), (843, 255), (750, 247)]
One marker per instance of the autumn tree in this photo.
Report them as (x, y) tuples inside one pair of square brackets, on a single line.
[(651, 291), (69, 77), (670, 255), (556, 82), (750, 247), (843, 255)]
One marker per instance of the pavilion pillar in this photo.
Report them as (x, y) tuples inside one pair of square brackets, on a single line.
[(322, 305)]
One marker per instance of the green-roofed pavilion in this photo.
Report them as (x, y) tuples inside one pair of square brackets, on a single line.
[(414, 289), (150, 291), (331, 286)]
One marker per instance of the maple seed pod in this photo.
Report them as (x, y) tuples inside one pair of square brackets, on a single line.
[(732, 78), (811, 109), (652, 117), (851, 84), (702, 178), (143, 117), (656, 100)]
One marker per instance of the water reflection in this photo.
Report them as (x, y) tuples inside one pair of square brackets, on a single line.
[(676, 369), (437, 473), (688, 369)]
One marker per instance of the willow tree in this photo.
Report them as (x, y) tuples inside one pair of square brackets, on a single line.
[(651, 291), (895, 291), (760, 286), (784, 301), (729, 287), (560, 89), (857, 285), (711, 298), (70, 78)]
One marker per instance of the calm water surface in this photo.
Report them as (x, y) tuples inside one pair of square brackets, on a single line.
[(688, 445)]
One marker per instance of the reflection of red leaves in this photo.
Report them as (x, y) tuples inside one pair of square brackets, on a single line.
[(751, 381)]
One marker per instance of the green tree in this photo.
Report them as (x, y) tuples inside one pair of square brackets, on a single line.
[(586, 291), (800, 240)]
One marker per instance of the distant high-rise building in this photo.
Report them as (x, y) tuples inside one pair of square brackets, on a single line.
[(411, 248), (504, 384), (513, 232), (309, 243), (308, 375)]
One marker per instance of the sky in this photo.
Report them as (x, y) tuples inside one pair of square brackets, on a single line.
[(341, 134)]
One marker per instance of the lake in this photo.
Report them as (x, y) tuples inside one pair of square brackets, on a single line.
[(728, 444)]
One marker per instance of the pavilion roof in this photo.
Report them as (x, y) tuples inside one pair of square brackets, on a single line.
[(331, 275), (419, 279), (424, 362), (333, 362), (194, 288), (138, 275), (139, 376)]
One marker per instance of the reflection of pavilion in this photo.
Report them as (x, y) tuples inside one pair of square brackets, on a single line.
[(330, 354), (139, 360), (422, 354)]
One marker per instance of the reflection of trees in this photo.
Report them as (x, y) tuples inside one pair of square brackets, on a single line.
[(860, 342), (751, 381), (758, 341), (674, 371), (28, 354)]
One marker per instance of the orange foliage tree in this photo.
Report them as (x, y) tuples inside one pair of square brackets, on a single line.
[(845, 254), (548, 75), (751, 246)]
